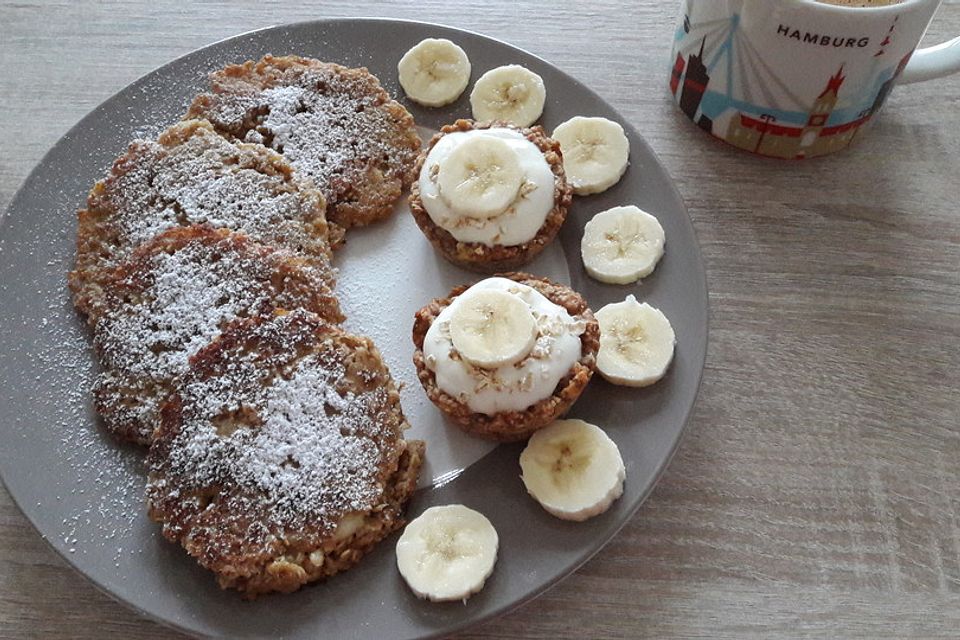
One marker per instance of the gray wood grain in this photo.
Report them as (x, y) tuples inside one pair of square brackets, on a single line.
[(816, 494)]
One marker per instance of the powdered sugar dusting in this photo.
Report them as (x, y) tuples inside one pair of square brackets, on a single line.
[(304, 444), (335, 126), (188, 297), (96, 490), (172, 301), (104, 479), (319, 134), (203, 179)]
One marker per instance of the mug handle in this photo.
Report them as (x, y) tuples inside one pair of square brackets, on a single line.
[(932, 62)]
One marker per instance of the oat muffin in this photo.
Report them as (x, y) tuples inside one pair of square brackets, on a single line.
[(191, 175), (532, 385), (174, 295), (334, 124), (494, 207), (280, 460)]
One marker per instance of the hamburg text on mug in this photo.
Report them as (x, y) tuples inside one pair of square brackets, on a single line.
[(799, 78)]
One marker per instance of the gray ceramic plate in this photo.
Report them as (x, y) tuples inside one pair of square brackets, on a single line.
[(84, 494)]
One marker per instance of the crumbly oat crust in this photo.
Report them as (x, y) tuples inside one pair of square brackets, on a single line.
[(282, 428), (334, 124), (191, 175), (477, 256), (509, 426), (172, 296)]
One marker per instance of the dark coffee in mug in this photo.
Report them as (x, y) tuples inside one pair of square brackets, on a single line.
[(861, 3)]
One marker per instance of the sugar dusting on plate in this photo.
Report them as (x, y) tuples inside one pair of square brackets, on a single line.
[(101, 482)]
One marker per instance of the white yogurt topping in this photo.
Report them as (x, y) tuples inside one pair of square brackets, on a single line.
[(511, 387), (520, 221)]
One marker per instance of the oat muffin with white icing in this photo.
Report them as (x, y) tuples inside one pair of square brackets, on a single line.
[(490, 196), (174, 295), (191, 175), (280, 460), (506, 356), (335, 125)]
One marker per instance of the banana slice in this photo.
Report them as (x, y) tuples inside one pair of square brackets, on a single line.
[(595, 153), (480, 178), (434, 72), (573, 469), (491, 328), (636, 343), (621, 245), (511, 93), (447, 553)]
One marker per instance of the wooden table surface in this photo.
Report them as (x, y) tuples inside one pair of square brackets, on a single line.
[(816, 493)]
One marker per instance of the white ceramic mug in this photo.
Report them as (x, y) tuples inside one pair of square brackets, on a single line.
[(798, 78)]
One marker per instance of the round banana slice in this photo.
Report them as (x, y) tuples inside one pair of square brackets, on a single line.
[(434, 72), (595, 153), (573, 469), (636, 343), (491, 328), (621, 245), (447, 553), (511, 93), (480, 178)]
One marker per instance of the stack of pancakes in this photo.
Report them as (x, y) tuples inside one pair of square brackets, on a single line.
[(204, 269)]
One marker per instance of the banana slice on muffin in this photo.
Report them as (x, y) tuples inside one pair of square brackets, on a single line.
[(506, 356), (490, 196)]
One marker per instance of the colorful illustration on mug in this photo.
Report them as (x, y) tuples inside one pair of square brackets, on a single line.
[(725, 86)]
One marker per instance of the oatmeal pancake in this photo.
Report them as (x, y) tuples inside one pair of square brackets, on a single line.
[(529, 409), (191, 175), (171, 297), (334, 124), (280, 459)]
